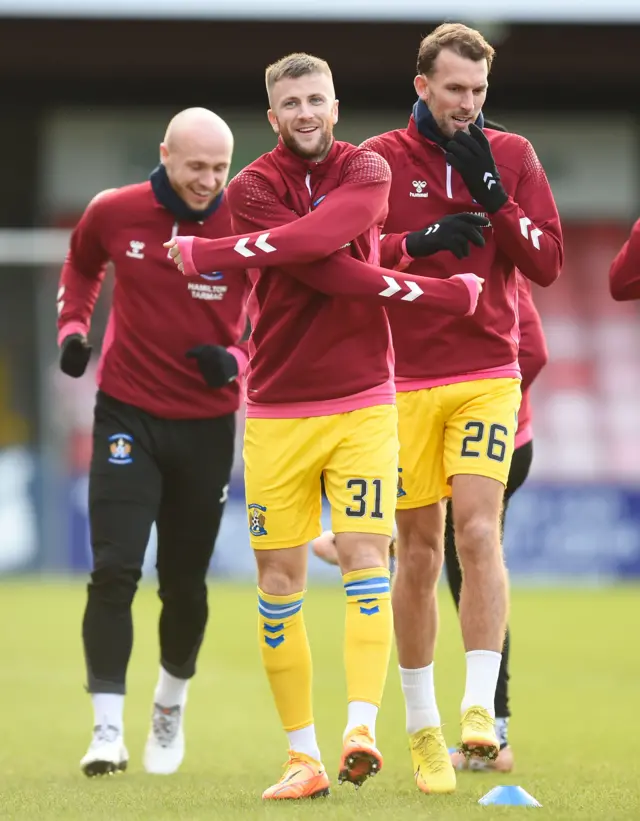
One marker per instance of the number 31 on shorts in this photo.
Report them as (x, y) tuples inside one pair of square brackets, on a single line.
[(367, 498)]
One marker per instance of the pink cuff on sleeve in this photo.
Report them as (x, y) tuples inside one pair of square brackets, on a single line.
[(241, 358), (185, 244), (405, 260), (71, 328), (473, 286)]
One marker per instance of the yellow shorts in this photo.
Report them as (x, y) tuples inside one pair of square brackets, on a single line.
[(464, 428), (356, 452)]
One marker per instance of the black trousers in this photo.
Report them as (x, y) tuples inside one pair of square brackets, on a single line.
[(520, 466), (144, 470)]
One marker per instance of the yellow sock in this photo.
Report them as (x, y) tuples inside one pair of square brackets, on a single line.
[(368, 633), (286, 656)]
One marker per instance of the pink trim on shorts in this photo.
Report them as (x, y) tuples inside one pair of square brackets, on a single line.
[(404, 384), (380, 395)]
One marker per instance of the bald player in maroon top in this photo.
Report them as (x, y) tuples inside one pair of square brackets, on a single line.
[(169, 386), (320, 400), (458, 400)]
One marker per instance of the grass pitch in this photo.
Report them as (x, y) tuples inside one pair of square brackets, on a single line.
[(575, 695)]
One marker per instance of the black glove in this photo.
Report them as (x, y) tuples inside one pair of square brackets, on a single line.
[(75, 353), (217, 366), (470, 154), (452, 233)]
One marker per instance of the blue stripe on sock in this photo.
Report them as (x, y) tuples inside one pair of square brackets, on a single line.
[(284, 606), (365, 582), (371, 590), (278, 611)]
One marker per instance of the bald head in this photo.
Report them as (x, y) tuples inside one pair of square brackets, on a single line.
[(196, 153), (197, 125)]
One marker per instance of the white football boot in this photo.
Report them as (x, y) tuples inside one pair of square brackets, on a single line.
[(107, 754), (164, 749)]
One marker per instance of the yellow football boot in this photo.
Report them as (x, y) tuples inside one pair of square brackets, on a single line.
[(432, 768), (478, 734)]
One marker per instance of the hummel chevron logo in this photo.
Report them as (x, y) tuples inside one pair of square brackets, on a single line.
[(525, 222), (432, 229), (394, 287), (261, 244), (491, 179), (60, 302), (274, 628), (416, 291)]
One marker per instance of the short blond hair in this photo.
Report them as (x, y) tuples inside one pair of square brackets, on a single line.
[(293, 66), (456, 37)]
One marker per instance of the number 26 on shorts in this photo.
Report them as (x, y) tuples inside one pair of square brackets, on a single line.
[(495, 445)]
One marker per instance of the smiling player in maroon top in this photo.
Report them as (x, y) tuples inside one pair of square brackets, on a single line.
[(458, 378), (321, 398), (163, 437)]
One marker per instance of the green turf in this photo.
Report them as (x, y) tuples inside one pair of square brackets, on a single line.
[(575, 691)]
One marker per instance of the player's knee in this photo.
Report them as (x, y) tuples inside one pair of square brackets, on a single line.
[(279, 578), (419, 565), (115, 582), (183, 588), (362, 551), (419, 535), (282, 572), (279, 582), (420, 553), (477, 536)]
